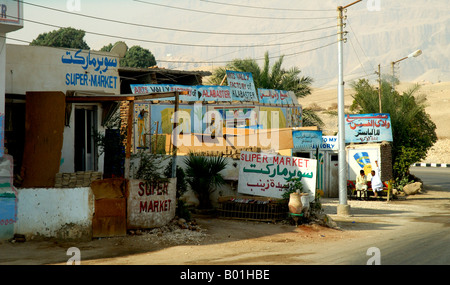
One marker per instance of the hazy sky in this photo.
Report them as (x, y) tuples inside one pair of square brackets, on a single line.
[(189, 15), (212, 32)]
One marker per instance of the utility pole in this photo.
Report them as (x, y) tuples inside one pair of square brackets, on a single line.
[(393, 75), (379, 86), (343, 208)]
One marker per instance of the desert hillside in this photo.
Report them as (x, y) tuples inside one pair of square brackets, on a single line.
[(438, 97)]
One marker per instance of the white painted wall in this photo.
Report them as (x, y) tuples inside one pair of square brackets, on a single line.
[(56, 213)]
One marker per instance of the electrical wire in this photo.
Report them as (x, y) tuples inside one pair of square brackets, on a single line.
[(167, 43), (325, 23), (166, 28), (230, 15), (269, 8), (357, 56), (360, 46), (168, 61), (270, 57), (60, 48)]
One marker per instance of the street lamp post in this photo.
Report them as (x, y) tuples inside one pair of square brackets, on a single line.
[(413, 54)]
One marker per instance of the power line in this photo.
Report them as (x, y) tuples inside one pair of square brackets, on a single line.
[(357, 56), (166, 28), (212, 62), (231, 15), (61, 48), (269, 41), (360, 45), (169, 43), (270, 57), (269, 8)]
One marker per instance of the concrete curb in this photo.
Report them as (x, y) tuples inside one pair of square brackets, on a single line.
[(431, 164)]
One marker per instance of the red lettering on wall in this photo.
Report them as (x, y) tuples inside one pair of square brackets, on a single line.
[(155, 206)]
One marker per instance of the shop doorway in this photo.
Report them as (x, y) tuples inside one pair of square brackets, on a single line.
[(86, 154)]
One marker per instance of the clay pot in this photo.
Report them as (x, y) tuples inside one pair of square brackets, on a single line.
[(295, 203)]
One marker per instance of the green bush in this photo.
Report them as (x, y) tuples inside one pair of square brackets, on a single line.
[(203, 176)]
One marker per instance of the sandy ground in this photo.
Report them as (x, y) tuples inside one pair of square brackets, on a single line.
[(221, 241), (236, 242), (438, 98)]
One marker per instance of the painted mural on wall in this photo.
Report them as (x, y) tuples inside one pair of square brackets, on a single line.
[(293, 117), (8, 194), (267, 175), (163, 114), (361, 159), (364, 128), (142, 126), (267, 115), (150, 205), (237, 116)]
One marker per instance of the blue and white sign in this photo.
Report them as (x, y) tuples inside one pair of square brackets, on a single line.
[(329, 143), (165, 88), (213, 93), (275, 97), (306, 140), (95, 70), (364, 128), (269, 96), (242, 86)]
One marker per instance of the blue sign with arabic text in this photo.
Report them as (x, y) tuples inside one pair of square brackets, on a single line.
[(306, 140), (365, 128)]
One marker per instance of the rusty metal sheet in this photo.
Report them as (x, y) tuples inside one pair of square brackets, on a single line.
[(110, 218), (109, 227), (111, 207)]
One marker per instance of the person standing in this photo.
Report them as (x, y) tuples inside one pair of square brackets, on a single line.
[(376, 183)]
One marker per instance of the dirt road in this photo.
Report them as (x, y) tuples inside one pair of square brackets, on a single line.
[(372, 224)]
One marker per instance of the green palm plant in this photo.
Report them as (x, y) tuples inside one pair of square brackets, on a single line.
[(203, 176)]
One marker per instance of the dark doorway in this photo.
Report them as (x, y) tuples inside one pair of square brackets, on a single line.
[(85, 145)]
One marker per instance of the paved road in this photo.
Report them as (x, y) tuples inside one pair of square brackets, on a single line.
[(436, 177), (426, 239)]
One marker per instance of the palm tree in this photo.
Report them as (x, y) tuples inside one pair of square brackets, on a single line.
[(272, 77), (203, 176)]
